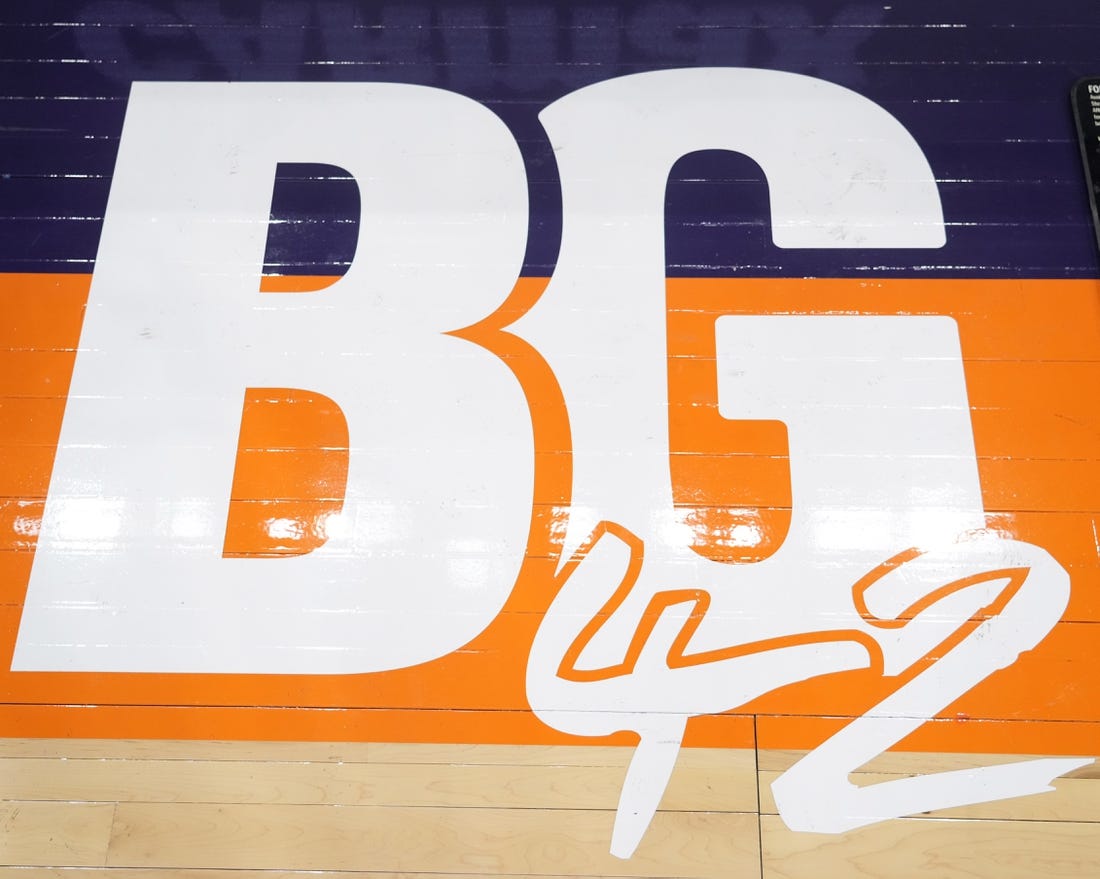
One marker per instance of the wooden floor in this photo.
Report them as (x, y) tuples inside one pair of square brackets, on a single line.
[(130, 809)]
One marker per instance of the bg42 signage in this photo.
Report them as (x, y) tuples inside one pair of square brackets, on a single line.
[(885, 558)]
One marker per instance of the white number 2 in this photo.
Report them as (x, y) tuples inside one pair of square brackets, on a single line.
[(881, 455)]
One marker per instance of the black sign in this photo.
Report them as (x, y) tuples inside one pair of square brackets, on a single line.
[(1086, 107)]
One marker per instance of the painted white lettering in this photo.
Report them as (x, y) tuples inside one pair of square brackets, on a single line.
[(435, 515), (645, 633)]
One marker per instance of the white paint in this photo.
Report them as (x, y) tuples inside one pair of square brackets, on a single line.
[(815, 794), (875, 407), (440, 475), (128, 574)]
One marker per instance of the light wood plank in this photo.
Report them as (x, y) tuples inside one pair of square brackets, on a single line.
[(1073, 799), (171, 749), (51, 834), (336, 752), (510, 755), (333, 752), (725, 782), (480, 841), (922, 848), (221, 816), (911, 762), (173, 873)]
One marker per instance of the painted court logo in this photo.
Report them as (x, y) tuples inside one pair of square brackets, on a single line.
[(883, 562)]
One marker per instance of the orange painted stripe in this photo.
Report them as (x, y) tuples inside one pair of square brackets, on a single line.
[(296, 283), (447, 726), (1031, 351)]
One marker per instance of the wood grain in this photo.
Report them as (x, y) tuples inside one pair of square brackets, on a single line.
[(1073, 799), (404, 839), (246, 810), (172, 873), (934, 849), (724, 783), (46, 833), (909, 762)]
